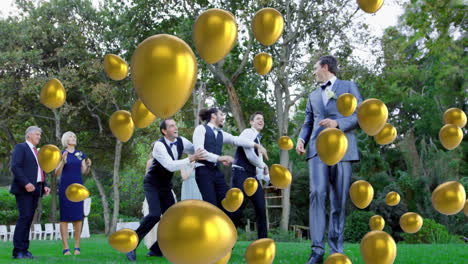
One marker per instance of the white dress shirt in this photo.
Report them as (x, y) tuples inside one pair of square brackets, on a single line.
[(39, 174), (162, 156), (254, 159), (328, 88)]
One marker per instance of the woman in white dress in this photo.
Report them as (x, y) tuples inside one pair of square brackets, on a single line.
[(189, 185)]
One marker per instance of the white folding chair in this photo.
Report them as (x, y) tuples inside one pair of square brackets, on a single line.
[(12, 232), (3, 232), (57, 231), (119, 226), (70, 229), (49, 230), (37, 231)]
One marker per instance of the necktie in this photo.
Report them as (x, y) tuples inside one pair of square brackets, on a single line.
[(325, 85), (42, 172), (259, 136)]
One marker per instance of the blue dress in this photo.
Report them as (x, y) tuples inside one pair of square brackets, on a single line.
[(71, 173)]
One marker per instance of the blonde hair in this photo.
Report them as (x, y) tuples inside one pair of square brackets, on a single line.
[(65, 137)]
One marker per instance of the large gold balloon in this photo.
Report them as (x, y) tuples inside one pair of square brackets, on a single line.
[(372, 116), (455, 116), (449, 198), (195, 232), (121, 125), (338, 258), (225, 259), (261, 251), (141, 116), (76, 192), (361, 193), (53, 94), (164, 72), (124, 240), (331, 145), (411, 222), (376, 222), (115, 67), (465, 209), (387, 135), (214, 34), (285, 143), (262, 63), (346, 104), (378, 247), (280, 176), (250, 186), (49, 157), (234, 199), (392, 198), (267, 26), (370, 6), (450, 136)]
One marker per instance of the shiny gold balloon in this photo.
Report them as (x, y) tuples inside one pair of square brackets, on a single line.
[(164, 72), (338, 258), (214, 34), (411, 222), (250, 186), (450, 136), (195, 232), (346, 104), (225, 259), (124, 240), (376, 222), (285, 143), (331, 145), (234, 199), (361, 193), (262, 63), (261, 251), (49, 157), (455, 116), (465, 209), (449, 198), (115, 67), (392, 198), (53, 94), (372, 116), (378, 247), (121, 125), (141, 116), (280, 176), (267, 26), (387, 135), (76, 192), (370, 6)]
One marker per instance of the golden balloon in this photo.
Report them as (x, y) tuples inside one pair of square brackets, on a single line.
[(214, 34), (370, 6), (124, 240), (197, 227), (411, 222), (267, 26), (53, 94), (372, 116), (261, 251), (387, 135), (455, 116), (121, 125), (450, 136), (164, 72), (49, 157), (465, 209), (378, 247), (262, 63), (141, 116), (392, 198), (285, 143), (280, 176), (338, 258), (225, 259), (250, 186), (361, 193), (234, 199), (331, 145), (449, 198), (76, 192), (115, 67), (346, 104), (376, 222)]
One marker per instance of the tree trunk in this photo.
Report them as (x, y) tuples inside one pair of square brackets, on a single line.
[(53, 178), (235, 106), (198, 101), (105, 205), (116, 183), (285, 203)]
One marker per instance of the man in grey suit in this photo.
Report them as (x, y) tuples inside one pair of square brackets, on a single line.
[(321, 113)]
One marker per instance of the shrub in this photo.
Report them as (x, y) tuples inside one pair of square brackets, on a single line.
[(431, 233), (357, 225)]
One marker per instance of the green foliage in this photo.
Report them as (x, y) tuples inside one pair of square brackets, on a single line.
[(431, 233), (357, 225)]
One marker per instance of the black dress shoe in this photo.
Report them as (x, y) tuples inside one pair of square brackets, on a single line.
[(29, 254), (23, 255), (131, 255), (315, 259), (154, 254)]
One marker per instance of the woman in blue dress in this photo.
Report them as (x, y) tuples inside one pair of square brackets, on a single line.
[(73, 165)]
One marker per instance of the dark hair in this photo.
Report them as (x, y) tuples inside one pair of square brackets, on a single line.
[(252, 116), (331, 62), (162, 125), (205, 114)]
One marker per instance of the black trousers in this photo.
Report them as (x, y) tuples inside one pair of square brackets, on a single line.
[(26, 204), (212, 185)]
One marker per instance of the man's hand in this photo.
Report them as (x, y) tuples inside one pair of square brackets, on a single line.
[(266, 170), (30, 187), (88, 162), (300, 147), (200, 154), (329, 123), (262, 151), (46, 190), (226, 160)]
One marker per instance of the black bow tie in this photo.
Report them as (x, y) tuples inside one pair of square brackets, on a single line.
[(172, 144), (325, 85)]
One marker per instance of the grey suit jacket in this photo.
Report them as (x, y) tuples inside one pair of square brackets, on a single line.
[(316, 111)]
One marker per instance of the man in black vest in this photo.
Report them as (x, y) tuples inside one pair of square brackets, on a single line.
[(167, 152)]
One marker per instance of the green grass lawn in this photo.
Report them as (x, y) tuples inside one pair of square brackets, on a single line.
[(97, 250)]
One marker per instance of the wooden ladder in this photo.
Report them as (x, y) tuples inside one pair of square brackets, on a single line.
[(272, 195)]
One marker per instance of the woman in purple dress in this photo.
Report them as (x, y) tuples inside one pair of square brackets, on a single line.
[(73, 165)]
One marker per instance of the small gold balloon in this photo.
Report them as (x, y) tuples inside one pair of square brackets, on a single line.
[(124, 240), (361, 193), (214, 34), (49, 157), (378, 247), (411, 222), (455, 116), (115, 67), (267, 26), (225, 259), (261, 251), (346, 104), (53, 94), (234, 199), (280, 176), (197, 227), (376, 222), (331, 145), (372, 116), (392, 199), (121, 125), (262, 63), (250, 186), (465, 209), (76, 192), (370, 6), (450, 136), (338, 258), (141, 116), (387, 135), (285, 143), (449, 198)]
